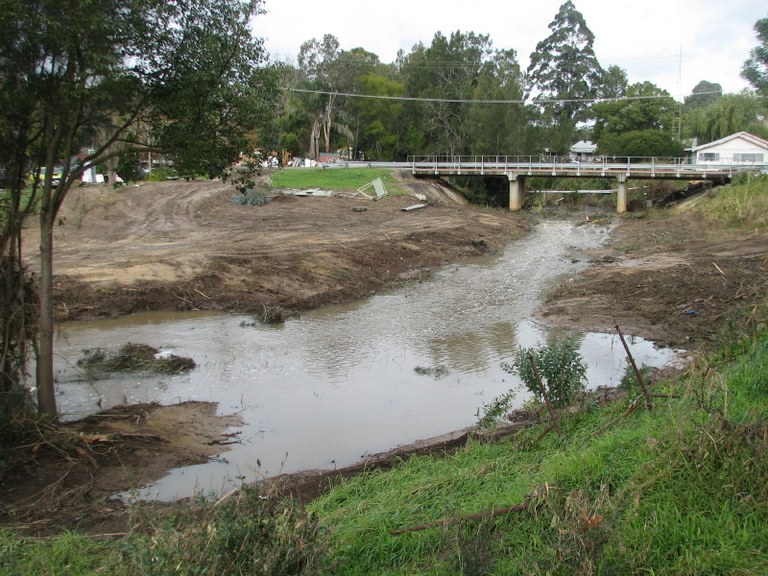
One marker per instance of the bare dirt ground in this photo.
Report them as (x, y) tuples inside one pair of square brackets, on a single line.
[(185, 245), (182, 246), (669, 278)]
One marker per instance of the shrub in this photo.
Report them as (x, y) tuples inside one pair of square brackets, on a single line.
[(251, 198), (161, 174), (560, 366), (253, 533)]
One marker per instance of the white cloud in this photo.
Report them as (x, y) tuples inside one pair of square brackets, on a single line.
[(672, 43)]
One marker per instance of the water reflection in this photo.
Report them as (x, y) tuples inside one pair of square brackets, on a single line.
[(335, 384)]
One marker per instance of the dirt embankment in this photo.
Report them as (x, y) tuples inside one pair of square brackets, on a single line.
[(184, 245), (669, 278), (180, 246)]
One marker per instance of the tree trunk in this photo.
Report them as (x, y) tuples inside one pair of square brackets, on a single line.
[(46, 396), (314, 141)]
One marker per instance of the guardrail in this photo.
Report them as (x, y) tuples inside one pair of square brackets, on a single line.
[(626, 166)]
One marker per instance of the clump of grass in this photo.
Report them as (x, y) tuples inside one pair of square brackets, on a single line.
[(135, 358), (742, 205), (269, 315), (250, 533), (250, 198)]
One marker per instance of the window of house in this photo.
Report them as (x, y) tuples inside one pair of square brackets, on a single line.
[(751, 158), (709, 156)]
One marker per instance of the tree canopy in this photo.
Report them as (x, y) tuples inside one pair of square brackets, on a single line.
[(755, 69), (86, 81), (564, 74), (647, 109)]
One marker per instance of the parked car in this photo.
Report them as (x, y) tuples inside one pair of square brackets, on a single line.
[(57, 171)]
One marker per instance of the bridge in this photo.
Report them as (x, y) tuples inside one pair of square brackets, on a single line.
[(518, 168)]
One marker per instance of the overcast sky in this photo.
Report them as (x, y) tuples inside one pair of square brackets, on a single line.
[(672, 43)]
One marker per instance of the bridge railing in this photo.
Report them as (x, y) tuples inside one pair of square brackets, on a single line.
[(598, 166), (545, 159)]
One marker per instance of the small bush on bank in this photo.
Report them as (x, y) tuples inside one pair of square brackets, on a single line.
[(161, 174), (252, 533), (250, 198)]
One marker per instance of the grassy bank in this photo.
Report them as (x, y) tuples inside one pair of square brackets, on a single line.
[(680, 489), (622, 489)]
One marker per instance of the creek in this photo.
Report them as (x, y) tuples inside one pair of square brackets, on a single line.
[(334, 385)]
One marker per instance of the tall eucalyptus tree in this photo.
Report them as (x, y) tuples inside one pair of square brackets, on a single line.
[(562, 77)]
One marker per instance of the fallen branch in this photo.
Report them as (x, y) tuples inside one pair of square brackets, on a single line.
[(546, 431), (648, 401), (201, 294)]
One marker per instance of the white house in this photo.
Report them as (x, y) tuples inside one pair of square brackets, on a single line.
[(583, 150), (741, 148)]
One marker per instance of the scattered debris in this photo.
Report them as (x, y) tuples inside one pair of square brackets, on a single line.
[(437, 372), (134, 358), (225, 439), (414, 207), (379, 190)]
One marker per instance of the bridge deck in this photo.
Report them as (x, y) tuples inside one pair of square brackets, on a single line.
[(613, 168)]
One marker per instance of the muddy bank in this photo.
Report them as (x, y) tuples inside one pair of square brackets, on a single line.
[(669, 278), (66, 478), (186, 246)]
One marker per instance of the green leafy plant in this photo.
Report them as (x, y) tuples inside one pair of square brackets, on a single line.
[(629, 381), (560, 366), (161, 174)]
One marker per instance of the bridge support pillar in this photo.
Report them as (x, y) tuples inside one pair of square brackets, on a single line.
[(621, 197), (516, 192)]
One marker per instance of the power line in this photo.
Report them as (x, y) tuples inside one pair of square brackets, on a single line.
[(484, 101)]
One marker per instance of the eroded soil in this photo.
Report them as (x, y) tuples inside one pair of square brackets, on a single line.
[(184, 245)]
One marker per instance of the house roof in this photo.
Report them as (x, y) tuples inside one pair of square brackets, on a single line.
[(737, 136), (584, 147)]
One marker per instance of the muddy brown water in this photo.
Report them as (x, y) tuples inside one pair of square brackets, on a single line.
[(337, 384)]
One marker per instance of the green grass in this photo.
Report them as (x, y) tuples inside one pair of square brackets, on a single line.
[(69, 554), (742, 205), (677, 490), (341, 179)]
